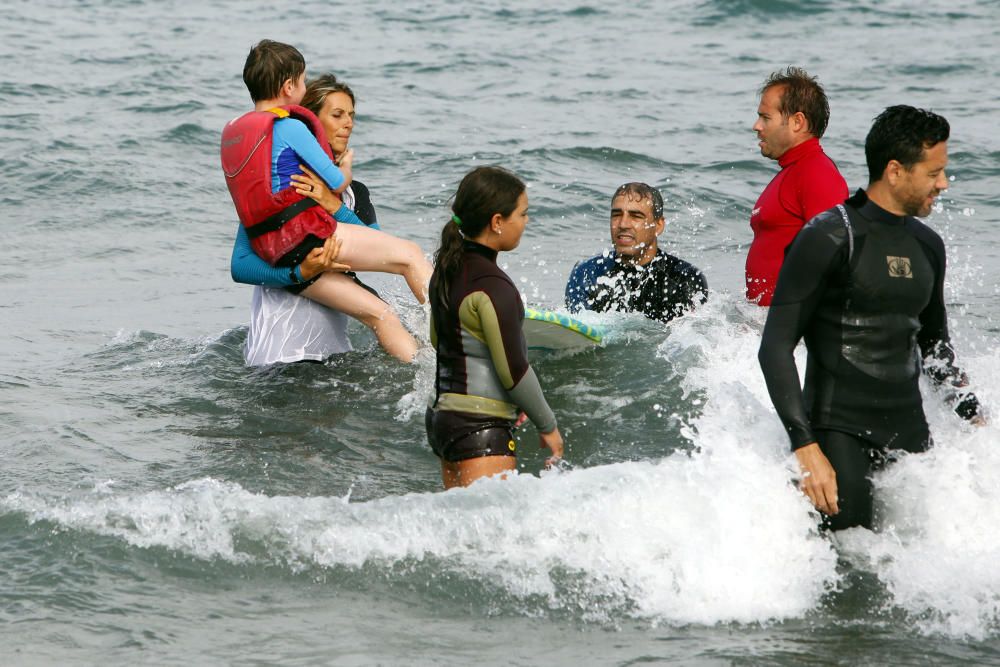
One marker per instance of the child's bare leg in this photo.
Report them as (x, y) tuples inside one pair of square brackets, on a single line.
[(367, 249), (337, 291)]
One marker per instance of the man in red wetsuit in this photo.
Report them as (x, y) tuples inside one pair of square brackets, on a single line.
[(792, 116)]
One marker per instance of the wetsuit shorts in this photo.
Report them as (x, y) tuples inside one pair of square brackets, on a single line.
[(458, 436)]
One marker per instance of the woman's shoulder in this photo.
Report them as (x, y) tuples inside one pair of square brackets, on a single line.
[(363, 206)]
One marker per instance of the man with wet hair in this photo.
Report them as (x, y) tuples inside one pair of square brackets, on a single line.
[(636, 276), (792, 116), (863, 283)]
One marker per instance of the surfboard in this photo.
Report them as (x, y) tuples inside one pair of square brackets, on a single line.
[(548, 330)]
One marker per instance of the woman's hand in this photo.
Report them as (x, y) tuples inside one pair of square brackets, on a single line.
[(323, 259), (308, 184), (554, 442)]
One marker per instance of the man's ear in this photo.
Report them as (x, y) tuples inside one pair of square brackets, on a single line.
[(798, 122), (893, 171), (660, 224)]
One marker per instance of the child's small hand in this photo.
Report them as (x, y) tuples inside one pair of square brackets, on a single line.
[(346, 161)]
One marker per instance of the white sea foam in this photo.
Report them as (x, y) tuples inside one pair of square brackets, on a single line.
[(680, 540), (719, 535), (936, 549)]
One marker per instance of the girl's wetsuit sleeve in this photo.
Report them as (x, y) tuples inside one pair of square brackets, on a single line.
[(811, 260), (247, 267), (501, 315)]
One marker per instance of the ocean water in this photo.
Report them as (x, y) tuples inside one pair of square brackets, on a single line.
[(162, 504)]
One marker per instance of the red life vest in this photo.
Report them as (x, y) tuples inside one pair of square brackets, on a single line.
[(275, 222)]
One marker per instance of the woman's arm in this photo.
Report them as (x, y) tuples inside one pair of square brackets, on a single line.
[(246, 267), (308, 184), (363, 206)]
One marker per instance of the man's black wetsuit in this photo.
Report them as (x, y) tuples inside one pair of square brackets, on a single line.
[(867, 323), (663, 289)]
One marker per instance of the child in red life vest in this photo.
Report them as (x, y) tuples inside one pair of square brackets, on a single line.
[(261, 150)]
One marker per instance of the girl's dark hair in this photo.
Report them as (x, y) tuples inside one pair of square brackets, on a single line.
[(320, 87), (483, 192)]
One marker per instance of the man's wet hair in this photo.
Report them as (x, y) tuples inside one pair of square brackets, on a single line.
[(268, 66), (642, 191), (801, 92), (902, 133)]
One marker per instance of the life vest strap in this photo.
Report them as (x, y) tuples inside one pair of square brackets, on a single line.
[(274, 222)]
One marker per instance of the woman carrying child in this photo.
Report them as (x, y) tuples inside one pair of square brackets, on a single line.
[(261, 151)]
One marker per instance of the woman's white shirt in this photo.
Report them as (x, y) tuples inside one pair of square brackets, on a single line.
[(285, 328)]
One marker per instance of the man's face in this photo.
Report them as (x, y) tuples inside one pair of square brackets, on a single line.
[(633, 227), (774, 134), (918, 187)]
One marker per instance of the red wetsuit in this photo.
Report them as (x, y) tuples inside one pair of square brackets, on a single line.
[(808, 184)]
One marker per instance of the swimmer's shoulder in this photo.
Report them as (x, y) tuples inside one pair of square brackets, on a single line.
[(829, 227), (929, 238), (594, 266)]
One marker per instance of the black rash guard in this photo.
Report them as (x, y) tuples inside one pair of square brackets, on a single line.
[(867, 323)]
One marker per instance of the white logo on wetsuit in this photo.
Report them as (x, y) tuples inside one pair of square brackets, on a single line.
[(899, 267)]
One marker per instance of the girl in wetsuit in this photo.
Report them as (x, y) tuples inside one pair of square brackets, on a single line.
[(483, 378)]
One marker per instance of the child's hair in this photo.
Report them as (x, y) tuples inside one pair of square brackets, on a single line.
[(483, 192), (268, 66), (320, 87)]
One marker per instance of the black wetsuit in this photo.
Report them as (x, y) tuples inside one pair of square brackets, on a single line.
[(483, 377), (663, 289), (869, 315)]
